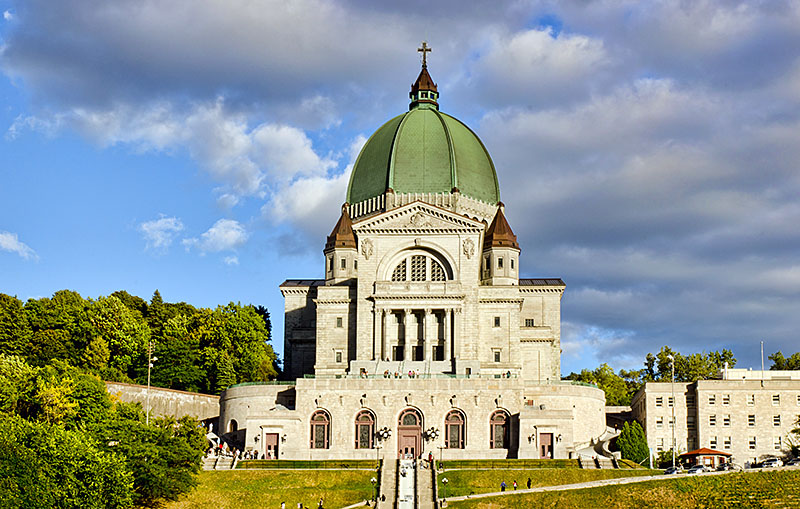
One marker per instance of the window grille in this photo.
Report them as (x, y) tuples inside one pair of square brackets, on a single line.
[(399, 273), (417, 268), (437, 272)]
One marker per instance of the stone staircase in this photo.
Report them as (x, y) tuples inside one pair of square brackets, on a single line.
[(387, 493), (209, 462), (218, 463), (425, 478)]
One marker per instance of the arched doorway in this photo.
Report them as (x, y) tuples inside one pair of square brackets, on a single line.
[(409, 433)]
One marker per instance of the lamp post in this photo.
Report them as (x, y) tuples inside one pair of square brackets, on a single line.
[(150, 360), (374, 489), (672, 423), (441, 449), (444, 484)]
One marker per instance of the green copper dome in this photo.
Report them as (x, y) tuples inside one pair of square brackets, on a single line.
[(424, 151)]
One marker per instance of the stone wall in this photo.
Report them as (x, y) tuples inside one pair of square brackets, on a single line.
[(167, 401)]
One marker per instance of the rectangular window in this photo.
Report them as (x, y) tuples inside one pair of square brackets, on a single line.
[(496, 355), (497, 321), (330, 263), (660, 444), (751, 420), (726, 399), (339, 322), (659, 422), (778, 443), (727, 443), (712, 420), (726, 420), (690, 423), (690, 400), (752, 443), (344, 263), (338, 356), (776, 420), (751, 399), (713, 442), (355, 264), (529, 322), (512, 264), (776, 399), (500, 263), (671, 401), (712, 399), (659, 401)]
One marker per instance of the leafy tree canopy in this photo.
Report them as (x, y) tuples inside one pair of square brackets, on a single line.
[(779, 362), (632, 443)]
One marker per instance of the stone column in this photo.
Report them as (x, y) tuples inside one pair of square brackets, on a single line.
[(376, 335), (447, 332), (382, 332), (457, 329), (428, 336), (406, 335)]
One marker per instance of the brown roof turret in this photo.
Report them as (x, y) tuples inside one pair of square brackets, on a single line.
[(499, 233), (424, 82), (342, 234)]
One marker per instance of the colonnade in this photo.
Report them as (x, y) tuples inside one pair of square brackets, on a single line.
[(415, 334)]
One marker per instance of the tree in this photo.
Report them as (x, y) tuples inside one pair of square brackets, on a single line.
[(618, 392), (15, 332), (794, 439), (44, 465), (779, 362), (632, 443), (697, 366)]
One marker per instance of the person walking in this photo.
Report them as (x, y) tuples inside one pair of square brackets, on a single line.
[(515, 485), (529, 483), (502, 486)]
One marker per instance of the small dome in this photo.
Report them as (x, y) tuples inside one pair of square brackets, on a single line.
[(424, 151)]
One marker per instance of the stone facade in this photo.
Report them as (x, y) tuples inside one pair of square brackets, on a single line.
[(742, 413), (167, 401)]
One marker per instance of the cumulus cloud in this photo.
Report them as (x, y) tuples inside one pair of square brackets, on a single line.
[(224, 235), (7, 15), (10, 242), (159, 233)]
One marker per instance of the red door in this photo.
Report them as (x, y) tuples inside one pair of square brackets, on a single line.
[(546, 445)]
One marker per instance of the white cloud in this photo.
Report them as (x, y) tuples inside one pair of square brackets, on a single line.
[(7, 15), (231, 260), (10, 242), (224, 235), (159, 233)]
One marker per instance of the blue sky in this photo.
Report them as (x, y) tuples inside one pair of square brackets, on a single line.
[(646, 151)]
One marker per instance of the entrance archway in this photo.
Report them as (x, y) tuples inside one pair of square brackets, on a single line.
[(409, 433)]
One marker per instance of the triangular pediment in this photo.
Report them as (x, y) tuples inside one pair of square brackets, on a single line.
[(418, 217)]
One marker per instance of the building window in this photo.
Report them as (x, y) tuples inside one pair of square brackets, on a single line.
[(660, 444), (690, 423), (776, 420), (496, 355), (726, 420), (454, 429), (497, 321), (498, 430), (437, 272), (712, 420), (500, 263), (690, 400), (417, 268), (659, 422), (338, 356), (712, 399), (343, 263), (399, 273), (365, 429), (751, 399), (339, 321), (798, 399), (671, 401), (726, 399), (330, 264), (320, 430), (660, 401), (529, 322), (355, 264), (512, 264), (713, 442), (776, 399), (752, 443), (751, 420), (232, 426), (727, 443)]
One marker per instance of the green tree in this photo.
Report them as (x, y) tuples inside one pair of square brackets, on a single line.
[(15, 331), (117, 326), (43, 465), (779, 362), (697, 366), (179, 364), (632, 443), (618, 391)]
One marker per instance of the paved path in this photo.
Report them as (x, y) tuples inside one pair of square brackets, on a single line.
[(406, 485)]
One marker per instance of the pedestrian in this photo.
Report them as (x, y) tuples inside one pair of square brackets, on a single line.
[(319, 506), (283, 505), (515, 485), (529, 483), (503, 486)]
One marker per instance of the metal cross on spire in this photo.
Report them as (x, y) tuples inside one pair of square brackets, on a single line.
[(425, 49)]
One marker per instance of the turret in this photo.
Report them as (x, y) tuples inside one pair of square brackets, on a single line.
[(340, 251), (500, 261)]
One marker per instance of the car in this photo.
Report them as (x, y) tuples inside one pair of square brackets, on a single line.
[(793, 462), (697, 469), (772, 463), (673, 470)]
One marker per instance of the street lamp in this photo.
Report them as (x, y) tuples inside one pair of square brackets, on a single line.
[(374, 489), (150, 360), (444, 484), (672, 423)]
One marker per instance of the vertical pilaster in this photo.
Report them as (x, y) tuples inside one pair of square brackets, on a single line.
[(383, 333), (428, 335), (448, 326), (406, 335)]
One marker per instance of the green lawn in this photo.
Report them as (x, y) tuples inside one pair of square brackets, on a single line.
[(466, 482), (739, 490), (268, 488)]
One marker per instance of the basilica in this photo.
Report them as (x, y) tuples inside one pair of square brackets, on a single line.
[(422, 337)]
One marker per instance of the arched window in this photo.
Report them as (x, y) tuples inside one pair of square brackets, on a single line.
[(454, 430), (320, 430), (410, 417), (498, 430), (419, 267), (365, 429), (232, 426)]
